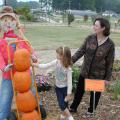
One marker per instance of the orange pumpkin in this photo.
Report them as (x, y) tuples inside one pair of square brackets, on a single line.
[(22, 81), (26, 102), (31, 116), (21, 60)]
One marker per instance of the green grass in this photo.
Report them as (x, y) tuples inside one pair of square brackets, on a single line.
[(46, 37), (50, 37)]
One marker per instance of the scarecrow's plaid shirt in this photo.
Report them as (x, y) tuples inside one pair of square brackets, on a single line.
[(98, 60)]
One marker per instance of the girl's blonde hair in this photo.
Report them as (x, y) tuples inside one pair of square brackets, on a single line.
[(66, 53)]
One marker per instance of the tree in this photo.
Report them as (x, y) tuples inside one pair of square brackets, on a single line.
[(99, 5), (25, 12), (102, 5), (70, 18), (12, 3), (60, 4), (87, 4), (31, 4), (74, 4), (117, 9)]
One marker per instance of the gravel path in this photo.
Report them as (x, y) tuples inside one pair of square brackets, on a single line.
[(48, 55), (107, 109)]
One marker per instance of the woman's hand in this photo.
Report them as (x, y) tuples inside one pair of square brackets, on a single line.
[(107, 83), (68, 98)]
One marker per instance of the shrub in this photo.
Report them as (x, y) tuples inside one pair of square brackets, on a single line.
[(75, 76), (85, 18), (70, 18), (116, 93)]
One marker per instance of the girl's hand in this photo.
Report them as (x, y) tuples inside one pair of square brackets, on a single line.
[(68, 98), (34, 58), (35, 65)]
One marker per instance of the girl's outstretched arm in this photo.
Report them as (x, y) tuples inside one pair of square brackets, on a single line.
[(47, 65)]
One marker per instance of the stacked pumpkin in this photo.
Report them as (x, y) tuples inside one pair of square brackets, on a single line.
[(25, 100)]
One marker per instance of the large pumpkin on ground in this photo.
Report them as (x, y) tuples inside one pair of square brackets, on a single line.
[(31, 116), (26, 102), (21, 60), (22, 81)]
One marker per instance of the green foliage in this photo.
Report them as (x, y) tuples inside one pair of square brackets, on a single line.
[(12, 3), (116, 93), (15, 4), (114, 89), (87, 4), (25, 12), (64, 16), (98, 5), (31, 18), (85, 18), (75, 76), (60, 4), (30, 4), (110, 88), (70, 18), (73, 4), (116, 67)]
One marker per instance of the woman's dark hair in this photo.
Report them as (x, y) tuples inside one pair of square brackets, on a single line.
[(104, 23), (66, 52)]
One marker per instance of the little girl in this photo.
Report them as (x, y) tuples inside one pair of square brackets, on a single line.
[(63, 74)]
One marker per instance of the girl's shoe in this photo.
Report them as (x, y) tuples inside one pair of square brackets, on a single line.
[(70, 118), (88, 115), (62, 117)]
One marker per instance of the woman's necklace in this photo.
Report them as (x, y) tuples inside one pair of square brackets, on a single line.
[(101, 41)]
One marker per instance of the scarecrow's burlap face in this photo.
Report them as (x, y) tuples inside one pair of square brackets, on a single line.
[(8, 23)]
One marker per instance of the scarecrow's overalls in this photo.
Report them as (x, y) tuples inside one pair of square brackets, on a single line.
[(6, 90)]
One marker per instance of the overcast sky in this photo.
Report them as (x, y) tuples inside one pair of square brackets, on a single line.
[(1, 1), (27, 0)]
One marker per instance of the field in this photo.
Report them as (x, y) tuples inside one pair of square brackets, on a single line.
[(50, 37)]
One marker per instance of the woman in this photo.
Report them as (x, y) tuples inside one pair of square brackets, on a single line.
[(98, 51)]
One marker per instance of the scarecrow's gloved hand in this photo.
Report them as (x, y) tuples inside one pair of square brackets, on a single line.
[(8, 67), (34, 58)]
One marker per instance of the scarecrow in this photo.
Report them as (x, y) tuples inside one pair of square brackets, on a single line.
[(9, 24)]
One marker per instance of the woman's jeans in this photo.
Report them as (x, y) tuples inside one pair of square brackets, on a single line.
[(6, 95)]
